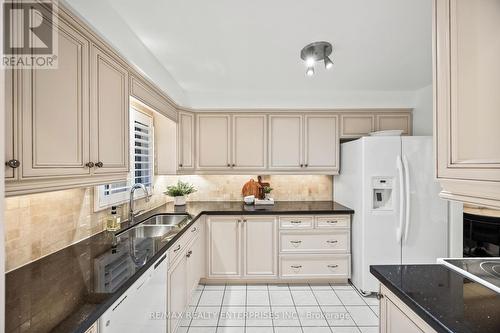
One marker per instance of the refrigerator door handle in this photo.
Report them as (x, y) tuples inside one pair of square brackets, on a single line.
[(399, 231), (407, 197)]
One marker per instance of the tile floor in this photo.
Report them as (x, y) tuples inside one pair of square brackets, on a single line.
[(283, 308)]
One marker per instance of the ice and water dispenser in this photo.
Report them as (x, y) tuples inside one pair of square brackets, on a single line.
[(382, 189)]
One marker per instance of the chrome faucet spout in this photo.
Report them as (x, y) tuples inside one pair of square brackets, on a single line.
[(131, 201)]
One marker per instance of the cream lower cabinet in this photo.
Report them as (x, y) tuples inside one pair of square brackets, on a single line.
[(467, 103), (11, 158), (397, 317), (242, 247)]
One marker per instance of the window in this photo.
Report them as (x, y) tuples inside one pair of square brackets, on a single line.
[(141, 163)]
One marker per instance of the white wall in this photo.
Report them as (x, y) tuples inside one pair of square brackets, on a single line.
[(422, 113), (99, 15)]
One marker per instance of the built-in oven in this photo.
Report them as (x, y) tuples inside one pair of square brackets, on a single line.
[(481, 236)]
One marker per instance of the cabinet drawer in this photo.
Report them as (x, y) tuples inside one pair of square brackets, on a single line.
[(315, 266), (181, 243), (332, 221), (326, 242), (296, 222)]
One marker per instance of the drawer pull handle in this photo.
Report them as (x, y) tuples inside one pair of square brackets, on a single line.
[(295, 241), (332, 222), (296, 222), (194, 229), (178, 248), (332, 241), (296, 266), (333, 266)]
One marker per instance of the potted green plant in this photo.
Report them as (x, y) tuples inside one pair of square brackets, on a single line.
[(179, 192), (267, 191)]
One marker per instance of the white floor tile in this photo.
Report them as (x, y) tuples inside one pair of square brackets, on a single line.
[(327, 297), (201, 330), (375, 309), (214, 287), (338, 286), (205, 316), (321, 287), (257, 287), (299, 286), (371, 300), (196, 297), (259, 316), (279, 298), (287, 330), (373, 329), (349, 297), (188, 315), (285, 316), (230, 329), (316, 330), (337, 316), (363, 315), (259, 329), (303, 298), (278, 286), (258, 297), (211, 298), (311, 316), (240, 287), (352, 329), (235, 297), (200, 287), (232, 316), (182, 329)]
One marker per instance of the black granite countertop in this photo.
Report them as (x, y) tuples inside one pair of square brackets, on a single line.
[(67, 291), (446, 300)]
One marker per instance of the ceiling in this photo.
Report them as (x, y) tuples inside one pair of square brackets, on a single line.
[(235, 52)]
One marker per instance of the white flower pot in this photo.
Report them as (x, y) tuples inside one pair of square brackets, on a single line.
[(180, 201)]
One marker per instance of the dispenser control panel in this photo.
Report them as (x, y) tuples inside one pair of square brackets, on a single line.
[(382, 189)]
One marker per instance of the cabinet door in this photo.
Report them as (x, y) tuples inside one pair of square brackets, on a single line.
[(177, 292), (468, 103), (185, 137), (55, 111), (110, 114), (224, 246), (321, 143), (10, 124), (213, 142), (260, 250), (356, 125), (249, 142), (396, 321), (385, 122), (285, 136), (195, 261)]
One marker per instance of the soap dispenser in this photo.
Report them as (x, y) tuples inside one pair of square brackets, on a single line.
[(113, 220)]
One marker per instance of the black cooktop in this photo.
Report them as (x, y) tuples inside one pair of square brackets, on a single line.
[(483, 270)]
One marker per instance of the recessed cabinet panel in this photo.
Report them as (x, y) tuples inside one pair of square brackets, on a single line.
[(260, 247), (110, 114), (185, 136), (285, 135), (249, 141), (321, 142), (355, 126), (224, 247), (177, 292), (213, 142), (386, 122), (10, 124), (55, 111)]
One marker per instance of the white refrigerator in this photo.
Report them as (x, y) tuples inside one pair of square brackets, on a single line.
[(398, 217)]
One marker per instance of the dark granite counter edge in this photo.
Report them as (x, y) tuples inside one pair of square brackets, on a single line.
[(95, 315), (406, 299)]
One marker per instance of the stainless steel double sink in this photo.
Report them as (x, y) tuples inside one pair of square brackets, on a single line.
[(158, 226)]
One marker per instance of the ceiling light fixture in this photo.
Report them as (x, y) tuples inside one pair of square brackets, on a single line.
[(314, 52)]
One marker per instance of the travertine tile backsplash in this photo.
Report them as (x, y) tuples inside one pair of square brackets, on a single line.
[(39, 224)]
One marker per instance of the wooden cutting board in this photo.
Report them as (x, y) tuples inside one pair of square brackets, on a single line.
[(251, 188)]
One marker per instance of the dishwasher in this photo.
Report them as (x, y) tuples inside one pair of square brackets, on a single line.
[(143, 307)]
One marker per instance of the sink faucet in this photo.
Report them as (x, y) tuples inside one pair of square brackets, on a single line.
[(131, 202)]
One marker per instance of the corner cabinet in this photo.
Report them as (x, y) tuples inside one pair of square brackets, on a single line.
[(467, 103)]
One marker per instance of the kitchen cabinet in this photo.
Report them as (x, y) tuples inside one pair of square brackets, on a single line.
[(249, 142), (466, 85), (224, 250), (213, 142), (394, 121), (396, 317), (356, 125), (285, 142), (152, 97), (185, 137), (260, 246), (177, 292), (165, 133), (109, 114), (321, 143), (11, 159), (195, 263)]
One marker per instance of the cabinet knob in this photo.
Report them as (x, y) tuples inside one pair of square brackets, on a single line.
[(228, 165), (189, 253), (99, 164), (233, 165), (90, 165), (302, 165), (180, 165), (13, 164), (306, 165)]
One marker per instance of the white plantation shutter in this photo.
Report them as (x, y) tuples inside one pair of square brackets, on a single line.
[(141, 162)]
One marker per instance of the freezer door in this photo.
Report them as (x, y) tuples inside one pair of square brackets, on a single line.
[(425, 236)]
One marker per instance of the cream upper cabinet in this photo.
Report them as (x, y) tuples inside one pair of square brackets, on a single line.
[(260, 248), (467, 103), (285, 142), (321, 142), (55, 111), (356, 125), (185, 137), (249, 144), (213, 142), (394, 121), (11, 162), (109, 114), (224, 251)]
